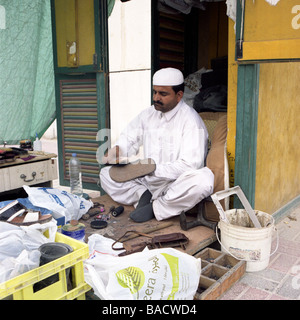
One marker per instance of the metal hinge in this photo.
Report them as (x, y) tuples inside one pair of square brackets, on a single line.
[(95, 60), (239, 49)]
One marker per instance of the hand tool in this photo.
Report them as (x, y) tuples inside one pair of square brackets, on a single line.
[(105, 216), (96, 209)]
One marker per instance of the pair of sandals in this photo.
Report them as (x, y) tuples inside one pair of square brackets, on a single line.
[(17, 214)]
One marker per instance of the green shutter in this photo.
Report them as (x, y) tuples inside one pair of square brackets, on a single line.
[(81, 90), (80, 126)]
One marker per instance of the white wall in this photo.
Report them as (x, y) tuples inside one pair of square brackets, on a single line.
[(129, 61)]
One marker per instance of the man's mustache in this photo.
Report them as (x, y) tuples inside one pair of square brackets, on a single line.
[(158, 102)]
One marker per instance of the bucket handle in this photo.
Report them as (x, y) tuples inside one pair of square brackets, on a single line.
[(277, 243), (228, 192)]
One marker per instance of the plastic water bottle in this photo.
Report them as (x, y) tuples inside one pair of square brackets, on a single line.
[(75, 175), (37, 144)]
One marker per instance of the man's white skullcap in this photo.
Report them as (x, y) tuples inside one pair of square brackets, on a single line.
[(168, 77)]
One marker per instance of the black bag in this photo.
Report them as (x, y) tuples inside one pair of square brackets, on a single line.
[(212, 99)]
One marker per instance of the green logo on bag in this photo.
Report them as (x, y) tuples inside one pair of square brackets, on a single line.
[(132, 278), (174, 268)]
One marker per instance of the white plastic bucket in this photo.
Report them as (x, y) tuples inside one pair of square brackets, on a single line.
[(243, 241), (246, 234)]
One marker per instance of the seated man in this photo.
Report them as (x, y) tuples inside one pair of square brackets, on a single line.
[(175, 137)]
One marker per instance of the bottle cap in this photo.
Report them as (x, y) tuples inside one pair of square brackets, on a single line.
[(74, 154)]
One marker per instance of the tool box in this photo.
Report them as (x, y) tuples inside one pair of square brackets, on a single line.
[(219, 272)]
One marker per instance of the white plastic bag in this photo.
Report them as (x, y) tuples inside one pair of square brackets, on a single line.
[(14, 239), (157, 274), (99, 244), (60, 202), (19, 247), (12, 267), (193, 85)]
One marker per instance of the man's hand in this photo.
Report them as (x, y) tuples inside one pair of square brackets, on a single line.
[(112, 156)]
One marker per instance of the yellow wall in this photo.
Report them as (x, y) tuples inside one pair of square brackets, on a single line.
[(232, 98), (75, 24), (278, 136), (271, 32), (265, 22)]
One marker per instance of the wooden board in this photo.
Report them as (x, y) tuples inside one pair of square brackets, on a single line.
[(199, 237)]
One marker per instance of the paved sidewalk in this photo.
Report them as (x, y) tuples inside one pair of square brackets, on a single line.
[(281, 279)]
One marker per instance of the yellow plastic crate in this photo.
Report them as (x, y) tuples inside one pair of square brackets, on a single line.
[(22, 286)]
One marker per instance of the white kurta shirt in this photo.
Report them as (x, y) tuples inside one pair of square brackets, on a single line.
[(175, 140)]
